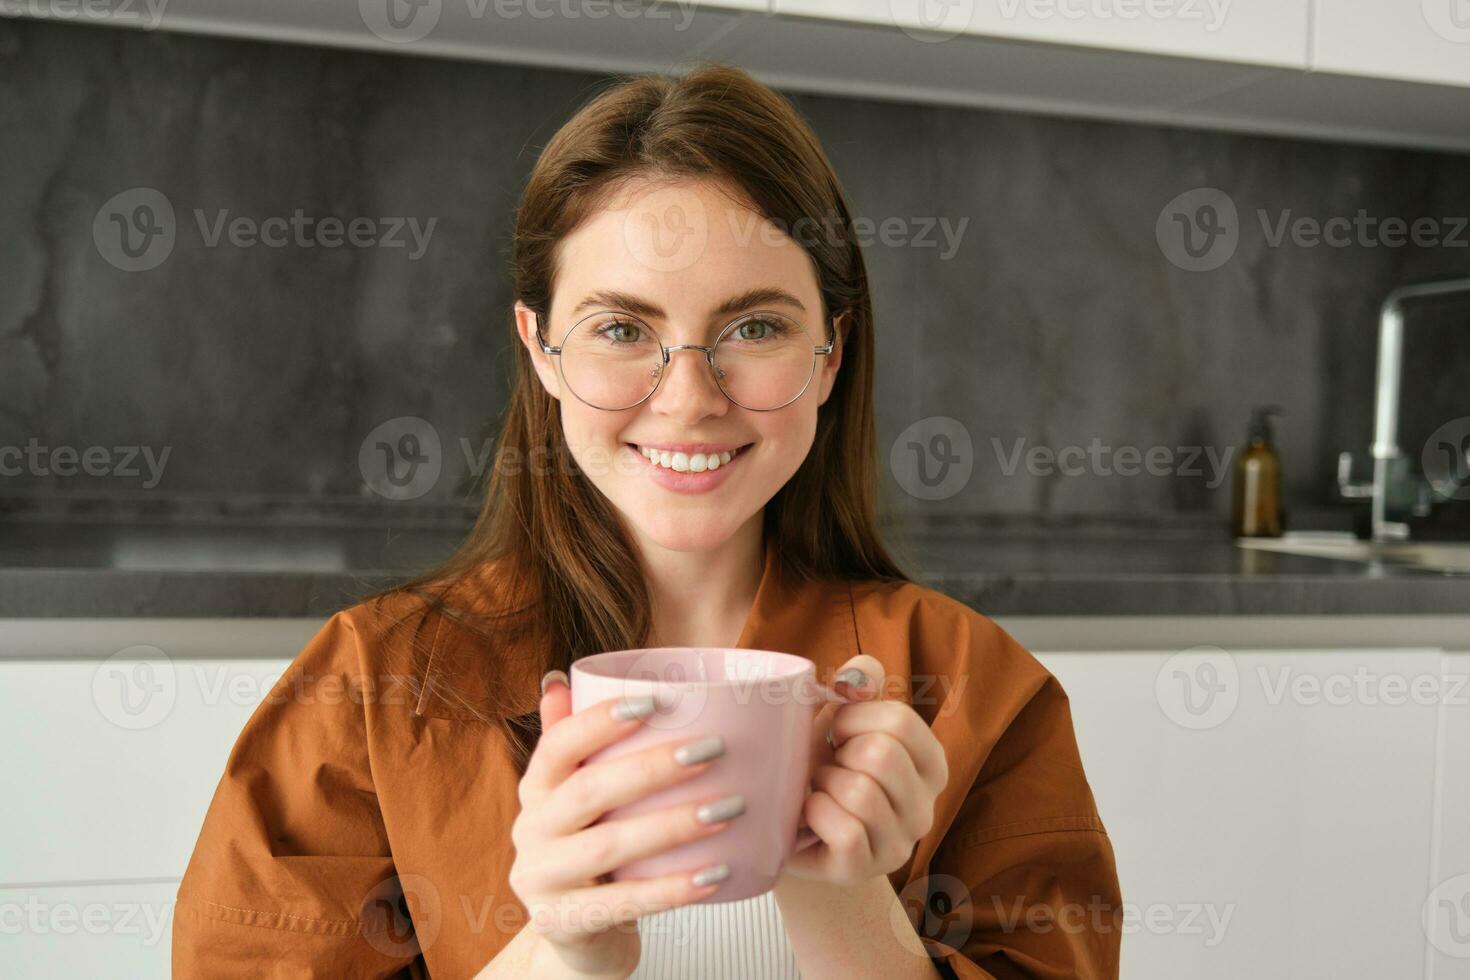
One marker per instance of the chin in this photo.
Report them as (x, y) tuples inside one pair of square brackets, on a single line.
[(698, 532)]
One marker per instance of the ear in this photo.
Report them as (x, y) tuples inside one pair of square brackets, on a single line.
[(840, 327), (526, 323)]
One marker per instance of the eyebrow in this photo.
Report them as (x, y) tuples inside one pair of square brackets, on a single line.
[(628, 303)]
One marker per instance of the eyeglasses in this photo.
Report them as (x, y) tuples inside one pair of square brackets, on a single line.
[(761, 360)]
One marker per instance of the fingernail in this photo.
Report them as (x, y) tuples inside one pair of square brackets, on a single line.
[(852, 677), (725, 809), (709, 747), (554, 675), (711, 874), (640, 706)]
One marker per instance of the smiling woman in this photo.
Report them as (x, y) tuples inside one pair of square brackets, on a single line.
[(703, 384)]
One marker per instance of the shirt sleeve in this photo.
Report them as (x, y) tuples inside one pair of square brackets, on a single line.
[(292, 873), (1024, 881)]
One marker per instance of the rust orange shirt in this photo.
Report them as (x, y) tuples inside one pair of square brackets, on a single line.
[(362, 825)]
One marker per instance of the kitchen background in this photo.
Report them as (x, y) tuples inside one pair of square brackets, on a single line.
[(1024, 294), (1089, 236)]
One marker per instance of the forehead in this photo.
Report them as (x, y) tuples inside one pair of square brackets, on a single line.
[(686, 244)]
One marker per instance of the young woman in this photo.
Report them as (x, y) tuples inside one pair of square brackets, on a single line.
[(688, 459)]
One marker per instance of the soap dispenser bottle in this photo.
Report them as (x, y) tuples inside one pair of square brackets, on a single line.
[(1257, 511)]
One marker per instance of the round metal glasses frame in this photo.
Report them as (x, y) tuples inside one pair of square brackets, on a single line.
[(709, 356)]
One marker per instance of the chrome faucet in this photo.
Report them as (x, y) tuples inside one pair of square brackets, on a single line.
[(1390, 468)]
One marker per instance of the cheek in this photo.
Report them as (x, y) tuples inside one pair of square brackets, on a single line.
[(591, 437), (787, 435), (585, 426)]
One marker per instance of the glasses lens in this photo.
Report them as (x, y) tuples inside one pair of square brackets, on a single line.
[(610, 360), (764, 360)]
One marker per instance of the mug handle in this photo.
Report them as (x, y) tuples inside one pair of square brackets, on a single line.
[(805, 837)]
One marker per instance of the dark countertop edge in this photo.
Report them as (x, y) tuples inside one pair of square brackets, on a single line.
[(42, 593)]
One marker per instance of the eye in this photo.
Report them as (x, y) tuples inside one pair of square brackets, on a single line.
[(758, 328), (619, 331)]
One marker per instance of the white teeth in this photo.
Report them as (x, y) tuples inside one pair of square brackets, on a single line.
[(687, 462)]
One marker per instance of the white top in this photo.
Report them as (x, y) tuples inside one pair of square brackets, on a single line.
[(742, 940)]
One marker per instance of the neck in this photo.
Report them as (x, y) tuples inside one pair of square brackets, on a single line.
[(702, 598)]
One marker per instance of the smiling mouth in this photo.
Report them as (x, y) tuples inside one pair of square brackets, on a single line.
[(679, 462)]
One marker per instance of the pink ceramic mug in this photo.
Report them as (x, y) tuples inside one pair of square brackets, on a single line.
[(762, 703)]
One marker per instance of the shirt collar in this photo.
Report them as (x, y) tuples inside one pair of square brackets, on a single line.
[(813, 618)]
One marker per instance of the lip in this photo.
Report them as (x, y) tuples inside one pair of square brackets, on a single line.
[(692, 447), (689, 482)]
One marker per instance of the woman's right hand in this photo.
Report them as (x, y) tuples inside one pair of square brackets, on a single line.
[(562, 855)]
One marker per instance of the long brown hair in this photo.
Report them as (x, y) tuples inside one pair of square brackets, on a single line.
[(578, 586)]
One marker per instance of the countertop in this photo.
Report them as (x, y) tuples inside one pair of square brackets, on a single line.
[(140, 570)]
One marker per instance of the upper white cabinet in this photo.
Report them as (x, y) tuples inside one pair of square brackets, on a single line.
[(1260, 32), (1395, 72), (1411, 40)]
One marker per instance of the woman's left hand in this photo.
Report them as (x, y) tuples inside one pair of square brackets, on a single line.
[(873, 796)]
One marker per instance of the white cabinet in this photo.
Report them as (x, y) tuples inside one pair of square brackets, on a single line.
[(1412, 40), (115, 734), (1448, 909), (1378, 71), (1278, 813), (1261, 32)]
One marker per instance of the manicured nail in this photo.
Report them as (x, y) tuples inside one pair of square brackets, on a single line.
[(852, 677), (709, 747), (711, 874), (559, 676), (640, 706), (725, 809)]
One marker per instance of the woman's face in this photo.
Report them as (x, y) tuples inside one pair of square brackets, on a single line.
[(687, 259)]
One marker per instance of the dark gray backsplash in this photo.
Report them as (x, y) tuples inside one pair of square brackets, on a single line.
[(1058, 319)]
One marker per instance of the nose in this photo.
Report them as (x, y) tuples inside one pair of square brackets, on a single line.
[(688, 391)]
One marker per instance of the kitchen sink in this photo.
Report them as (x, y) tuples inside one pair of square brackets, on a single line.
[(1447, 557)]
